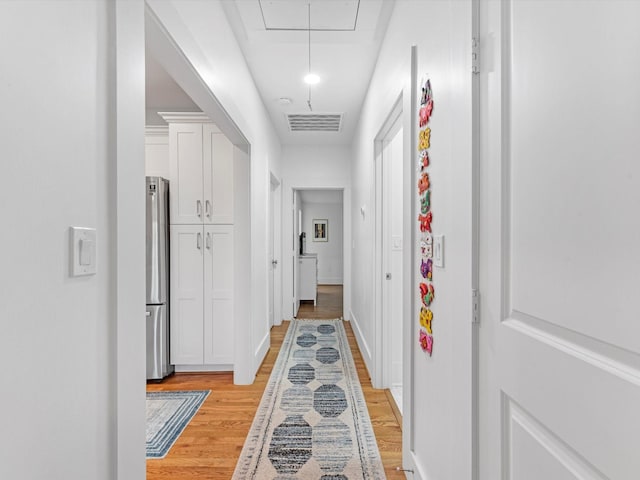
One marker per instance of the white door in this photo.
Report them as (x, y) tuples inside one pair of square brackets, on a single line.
[(392, 243), (185, 161), (559, 240), (219, 322), (297, 216), (274, 261), (186, 277), (218, 176)]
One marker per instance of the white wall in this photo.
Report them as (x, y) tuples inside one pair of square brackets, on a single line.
[(203, 35), (73, 385), (305, 168), (330, 253), (441, 384)]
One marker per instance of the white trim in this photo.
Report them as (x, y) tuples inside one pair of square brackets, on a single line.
[(330, 280), (127, 140), (185, 117), (261, 351), (392, 125), (362, 343), (156, 131), (288, 209), (204, 368)]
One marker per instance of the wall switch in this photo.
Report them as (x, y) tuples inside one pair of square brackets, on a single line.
[(438, 250), (86, 251), (83, 251)]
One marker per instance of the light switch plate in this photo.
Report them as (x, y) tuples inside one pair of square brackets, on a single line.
[(83, 251), (438, 250)]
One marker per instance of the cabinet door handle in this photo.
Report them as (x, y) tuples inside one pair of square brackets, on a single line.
[(199, 241), (208, 241), (207, 208), (199, 208)]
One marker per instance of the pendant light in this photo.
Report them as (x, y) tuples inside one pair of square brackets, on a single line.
[(310, 78)]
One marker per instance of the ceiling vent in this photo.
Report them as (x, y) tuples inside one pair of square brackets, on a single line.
[(314, 122)]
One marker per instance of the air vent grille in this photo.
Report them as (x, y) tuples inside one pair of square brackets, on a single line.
[(314, 122)]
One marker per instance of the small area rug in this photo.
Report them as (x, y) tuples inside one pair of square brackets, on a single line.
[(168, 413), (312, 422)]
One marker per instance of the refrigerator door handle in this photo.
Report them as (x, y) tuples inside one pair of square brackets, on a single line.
[(208, 241), (207, 208), (199, 241), (199, 208)]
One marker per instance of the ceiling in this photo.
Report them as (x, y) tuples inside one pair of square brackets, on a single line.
[(274, 38)]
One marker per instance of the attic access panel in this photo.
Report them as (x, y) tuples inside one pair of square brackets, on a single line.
[(326, 15)]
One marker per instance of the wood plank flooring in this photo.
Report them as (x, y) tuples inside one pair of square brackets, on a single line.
[(210, 445), (329, 304)]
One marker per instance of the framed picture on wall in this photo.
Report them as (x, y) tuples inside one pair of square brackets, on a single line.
[(320, 232)]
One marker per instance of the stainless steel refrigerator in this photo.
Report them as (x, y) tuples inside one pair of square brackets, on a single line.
[(157, 219)]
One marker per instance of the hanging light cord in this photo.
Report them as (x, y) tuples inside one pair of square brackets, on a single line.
[(309, 30)]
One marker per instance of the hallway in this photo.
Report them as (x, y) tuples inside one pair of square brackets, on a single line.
[(329, 304), (210, 445)]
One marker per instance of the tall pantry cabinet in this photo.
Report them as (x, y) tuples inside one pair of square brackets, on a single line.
[(201, 217)]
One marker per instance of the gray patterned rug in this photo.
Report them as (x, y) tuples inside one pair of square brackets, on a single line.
[(168, 413), (312, 422)]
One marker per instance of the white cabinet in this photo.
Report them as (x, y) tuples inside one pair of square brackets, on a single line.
[(201, 174), (218, 175), (309, 277), (218, 294), (202, 296), (202, 258), (156, 151), (186, 294)]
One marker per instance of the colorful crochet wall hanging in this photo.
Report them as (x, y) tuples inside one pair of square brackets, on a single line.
[(425, 220)]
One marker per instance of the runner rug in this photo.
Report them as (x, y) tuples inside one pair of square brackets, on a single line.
[(312, 422), (168, 413)]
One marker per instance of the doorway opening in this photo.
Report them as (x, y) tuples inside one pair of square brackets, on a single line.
[(388, 252), (319, 258), (212, 215), (275, 297)]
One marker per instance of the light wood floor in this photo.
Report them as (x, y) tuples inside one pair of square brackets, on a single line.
[(210, 445)]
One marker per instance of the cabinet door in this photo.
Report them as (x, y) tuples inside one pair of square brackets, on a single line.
[(218, 176), (308, 278), (186, 329), (218, 295), (185, 157)]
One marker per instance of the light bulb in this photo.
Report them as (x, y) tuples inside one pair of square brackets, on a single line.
[(311, 79)]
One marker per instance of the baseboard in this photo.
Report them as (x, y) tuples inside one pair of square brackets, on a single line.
[(203, 368), (330, 281), (416, 466), (261, 352), (362, 343)]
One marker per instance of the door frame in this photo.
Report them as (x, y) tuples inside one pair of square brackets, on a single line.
[(275, 233), (289, 191), (170, 56), (382, 339), (475, 249)]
